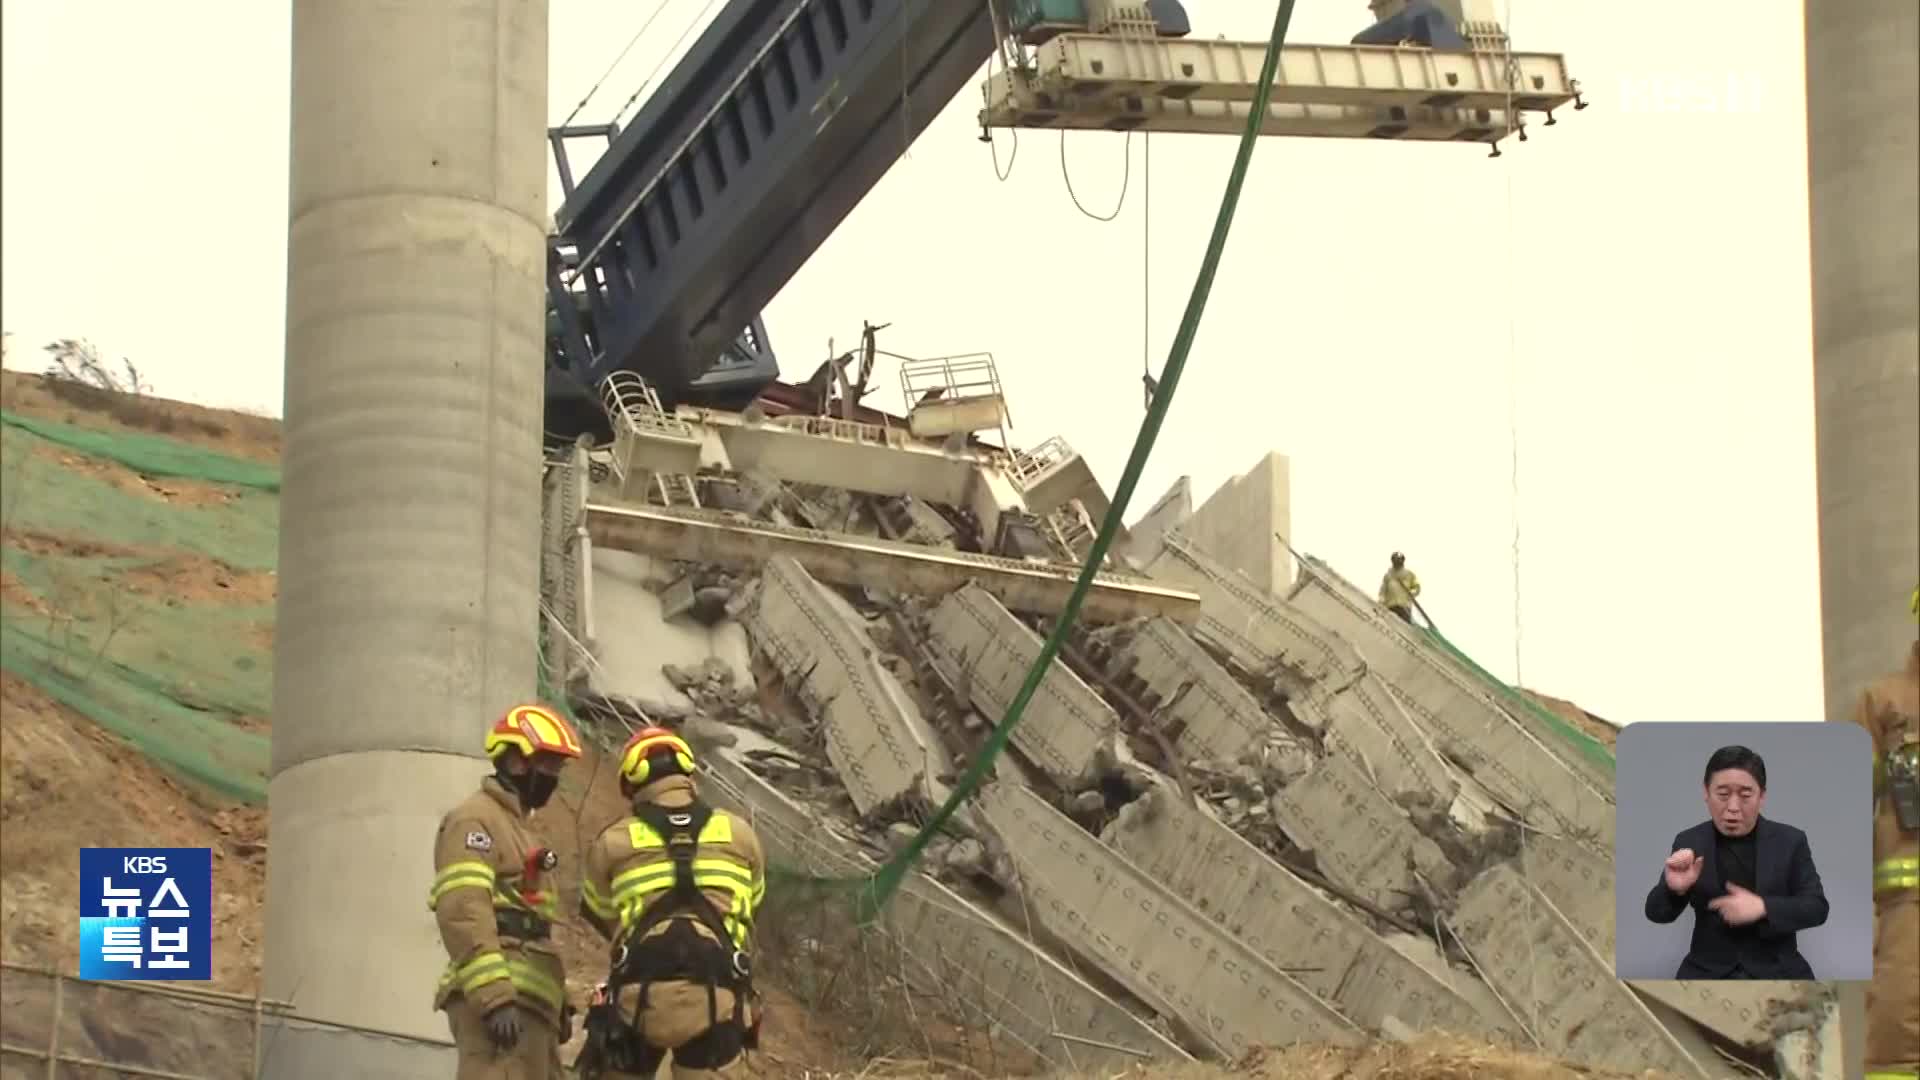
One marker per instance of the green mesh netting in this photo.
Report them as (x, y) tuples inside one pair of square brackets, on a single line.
[(1586, 746), (152, 454), (187, 682)]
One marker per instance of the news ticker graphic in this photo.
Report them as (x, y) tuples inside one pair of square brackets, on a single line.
[(146, 913)]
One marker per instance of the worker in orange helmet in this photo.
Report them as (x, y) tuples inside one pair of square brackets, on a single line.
[(504, 989), (675, 888), (1889, 709)]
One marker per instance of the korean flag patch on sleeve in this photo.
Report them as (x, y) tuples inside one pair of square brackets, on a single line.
[(479, 841)]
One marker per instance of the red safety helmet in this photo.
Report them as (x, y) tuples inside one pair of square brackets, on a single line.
[(637, 759), (532, 729)]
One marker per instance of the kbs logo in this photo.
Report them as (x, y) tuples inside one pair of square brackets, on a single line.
[(145, 913)]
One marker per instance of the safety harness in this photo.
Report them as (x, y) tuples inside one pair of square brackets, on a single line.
[(679, 952)]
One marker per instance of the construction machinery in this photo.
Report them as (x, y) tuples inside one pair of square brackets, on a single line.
[(785, 113)]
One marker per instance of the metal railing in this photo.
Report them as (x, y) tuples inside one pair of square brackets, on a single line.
[(159, 1030), (1030, 465)]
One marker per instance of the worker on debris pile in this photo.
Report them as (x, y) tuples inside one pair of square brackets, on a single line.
[(504, 988), (1399, 588), (1890, 711), (674, 888)]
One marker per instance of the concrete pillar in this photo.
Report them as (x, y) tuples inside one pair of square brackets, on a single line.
[(409, 532), (1863, 181)]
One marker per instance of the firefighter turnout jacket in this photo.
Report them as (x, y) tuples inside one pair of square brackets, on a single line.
[(495, 922), (1890, 711), (629, 892)]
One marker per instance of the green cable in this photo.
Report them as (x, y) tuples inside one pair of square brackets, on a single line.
[(890, 875)]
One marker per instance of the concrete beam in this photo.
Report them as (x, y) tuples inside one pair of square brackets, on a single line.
[(1242, 522), (1290, 923), (1359, 838), (1560, 988), (1259, 631), (1474, 732), (409, 560), (1215, 717), (848, 454), (836, 559), (879, 744), (981, 648), (1167, 953), (960, 951)]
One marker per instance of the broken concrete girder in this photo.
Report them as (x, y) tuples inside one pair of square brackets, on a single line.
[(960, 952), (1212, 714), (1560, 988), (745, 545), (1258, 631), (1161, 949), (1495, 749), (981, 649), (854, 456), (1359, 838), (637, 642), (1579, 883), (1290, 923), (880, 745)]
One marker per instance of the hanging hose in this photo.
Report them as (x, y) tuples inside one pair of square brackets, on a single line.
[(889, 877)]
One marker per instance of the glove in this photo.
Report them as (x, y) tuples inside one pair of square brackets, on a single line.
[(566, 1024), (503, 1027)]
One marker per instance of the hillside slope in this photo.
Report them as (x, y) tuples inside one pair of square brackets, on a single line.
[(137, 612)]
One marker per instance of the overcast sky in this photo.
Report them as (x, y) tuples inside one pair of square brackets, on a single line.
[(1623, 299)]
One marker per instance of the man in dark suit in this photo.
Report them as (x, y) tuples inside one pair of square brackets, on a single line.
[(1750, 881)]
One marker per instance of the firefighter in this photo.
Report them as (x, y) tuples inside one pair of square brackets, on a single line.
[(1890, 711), (674, 888), (1399, 587), (504, 990)]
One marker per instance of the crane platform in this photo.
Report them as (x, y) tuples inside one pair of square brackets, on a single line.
[(1107, 82)]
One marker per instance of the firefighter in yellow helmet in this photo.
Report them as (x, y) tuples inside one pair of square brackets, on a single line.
[(1890, 711), (1399, 588), (674, 888), (504, 989)]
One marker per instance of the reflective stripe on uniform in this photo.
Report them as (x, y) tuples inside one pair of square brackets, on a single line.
[(527, 977), (596, 903), (634, 888), (459, 875), (1893, 1074), (1896, 873)]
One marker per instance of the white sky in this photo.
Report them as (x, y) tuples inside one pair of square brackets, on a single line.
[(1653, 286)]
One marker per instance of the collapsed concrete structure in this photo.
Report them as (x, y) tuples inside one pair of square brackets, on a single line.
[(1245, 805)]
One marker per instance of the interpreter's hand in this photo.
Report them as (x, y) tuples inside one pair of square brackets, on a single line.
[(503, 1026), (1739, 907), (1683, 869)]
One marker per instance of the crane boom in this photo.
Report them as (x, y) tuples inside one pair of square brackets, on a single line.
[(785, 113)]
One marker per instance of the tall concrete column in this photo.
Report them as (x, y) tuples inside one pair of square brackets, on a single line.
[(1863, 180), (409, 531)]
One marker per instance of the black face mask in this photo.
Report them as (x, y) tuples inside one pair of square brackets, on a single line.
[(534, 788)]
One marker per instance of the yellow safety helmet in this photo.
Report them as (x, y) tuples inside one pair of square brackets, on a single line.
[(532, 729), (1913, 603), (638, 760)]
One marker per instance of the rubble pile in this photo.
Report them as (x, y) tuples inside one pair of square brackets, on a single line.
[(1187, 809)]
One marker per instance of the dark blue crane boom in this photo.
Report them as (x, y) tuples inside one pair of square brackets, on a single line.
[(782, 116)]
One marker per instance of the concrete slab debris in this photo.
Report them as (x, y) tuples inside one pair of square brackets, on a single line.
[(979, 647), (961, 951), (1359, 839), (1490, 745), (880, 745), (1242, 522), (1259, 631), (1287, 921), (1163, 950), (744, 545), (1528, 952), (1212, 715)]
